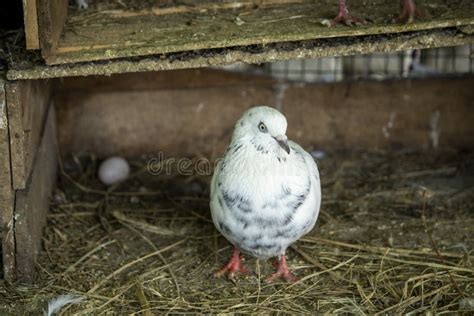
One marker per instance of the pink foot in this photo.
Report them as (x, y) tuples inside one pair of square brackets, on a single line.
[(234, 265), (344, 17), (408, 12), (282, 272)]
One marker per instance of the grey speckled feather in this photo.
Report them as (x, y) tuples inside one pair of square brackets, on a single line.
[(263, 198)]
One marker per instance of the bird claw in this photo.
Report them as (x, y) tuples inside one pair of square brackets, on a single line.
[(344, 17), (347, 19), (282, 272), (234, 265), (287, 276), (407, 17), (409, 12), (231, 270)]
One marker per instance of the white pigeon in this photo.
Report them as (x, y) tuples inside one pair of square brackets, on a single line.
[(265, 192)]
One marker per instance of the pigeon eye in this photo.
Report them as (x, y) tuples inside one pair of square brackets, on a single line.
[(262, 127)]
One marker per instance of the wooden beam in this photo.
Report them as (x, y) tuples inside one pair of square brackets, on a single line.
[(30, 18), (6, 193), (32, 203), (367, 115), (52, 16), (27, 104), (254, 55)]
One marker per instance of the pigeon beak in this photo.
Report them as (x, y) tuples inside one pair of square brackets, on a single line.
[(282, 140)]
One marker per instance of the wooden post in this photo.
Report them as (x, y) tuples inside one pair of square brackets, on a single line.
[(27, 103), (28, 162), (30, 18), (32, 203), (52, 16), (6, 193)]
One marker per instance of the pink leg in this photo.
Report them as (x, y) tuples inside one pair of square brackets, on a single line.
[(408, 11), (343, 16), (234, 265), (282, 271)]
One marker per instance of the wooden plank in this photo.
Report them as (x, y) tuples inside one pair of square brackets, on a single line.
[(52, 16), (370, 115), (30, 18), (32, 203), (102, 34), (27, 104), (261, 54), (160, 80), (6, 194)]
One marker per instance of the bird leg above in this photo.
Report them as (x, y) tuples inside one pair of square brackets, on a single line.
[(408, 12), (282, 271), (234, 265), (343, 16)]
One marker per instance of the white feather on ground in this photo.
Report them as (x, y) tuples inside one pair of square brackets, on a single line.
[(82, 4), (61, 301)]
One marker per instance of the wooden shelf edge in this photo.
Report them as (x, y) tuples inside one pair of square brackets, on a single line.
[(254, 54)]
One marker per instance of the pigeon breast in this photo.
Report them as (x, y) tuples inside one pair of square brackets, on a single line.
[(262, 203)]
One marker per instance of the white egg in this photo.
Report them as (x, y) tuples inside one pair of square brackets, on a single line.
[(318, 154), (113, 170)]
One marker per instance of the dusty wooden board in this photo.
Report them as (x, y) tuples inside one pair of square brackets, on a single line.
[(252, 55), (27, 104), (147, 120), (52, 15), (107, 34), (6, 193), (31, 204), (160, 80), (30, 18)]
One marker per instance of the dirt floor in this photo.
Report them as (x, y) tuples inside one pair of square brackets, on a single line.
[(395, 235)]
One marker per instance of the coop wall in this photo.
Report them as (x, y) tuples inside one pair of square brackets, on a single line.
[(195, 116), (28, 153), (6, 191)]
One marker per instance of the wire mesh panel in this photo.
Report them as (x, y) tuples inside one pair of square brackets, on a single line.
[(308, 70), (457, 60)]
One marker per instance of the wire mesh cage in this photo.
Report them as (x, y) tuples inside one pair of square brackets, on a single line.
[(446, 61)]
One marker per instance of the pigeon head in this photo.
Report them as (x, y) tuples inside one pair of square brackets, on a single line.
[(265, 127)]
